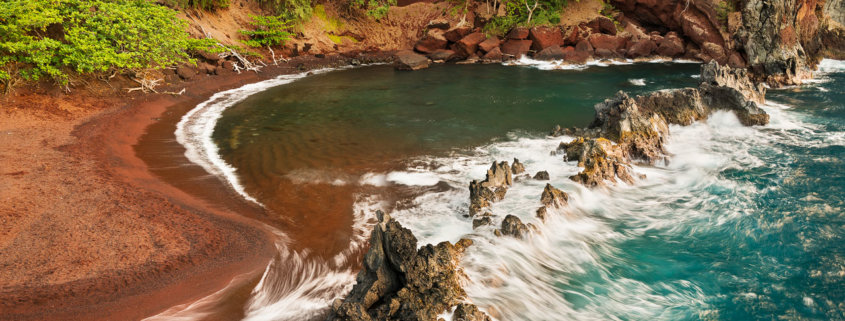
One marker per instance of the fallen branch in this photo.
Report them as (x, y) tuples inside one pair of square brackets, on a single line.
[(247, 65), (147, 85)]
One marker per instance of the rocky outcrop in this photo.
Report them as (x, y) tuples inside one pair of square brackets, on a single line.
[(542, 176), (553, 197), (491, 189), (400, 282), (633, 129)]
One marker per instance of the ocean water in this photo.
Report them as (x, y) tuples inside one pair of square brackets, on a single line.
[(741, 223)]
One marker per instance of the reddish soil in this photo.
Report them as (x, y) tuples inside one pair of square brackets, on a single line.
[(89, 232)]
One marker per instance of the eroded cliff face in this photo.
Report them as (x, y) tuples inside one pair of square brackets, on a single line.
[(779, 41)]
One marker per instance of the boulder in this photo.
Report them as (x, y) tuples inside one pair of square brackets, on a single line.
[(642, 48), (604, 25), (726, 88), (542, 176), (518, 33), (432, 41), (476, 223), (457, 33), (211, 57), (468, 45), (494, 55), (442, 55), (716, 52), (608, 42), (489, 44), (516, 48), (670, 46), (572, 55), (186, 72), (409, 60), (545, 37), (584, 46), (550, 53)]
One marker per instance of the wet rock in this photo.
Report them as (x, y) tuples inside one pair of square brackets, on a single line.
[(517, 167), (400, 282), (513, 226), (468, 45), (584, 46), (432, 41), (677, 106), (481, 222), (516, 48), (442, 55), (544, 37), (602, 161), (542, 176), (726, 88), (639, 134), (495, 55), (716, 52), (550, 53), (553, 197), (492, 189), (488, 45), (542, 212), (469, 312), (409, 60)]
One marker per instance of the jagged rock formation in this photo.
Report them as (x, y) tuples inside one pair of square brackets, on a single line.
[(400, 282), (832, 30), (491, 189), (634, 129), (513, 226), (551, 197)]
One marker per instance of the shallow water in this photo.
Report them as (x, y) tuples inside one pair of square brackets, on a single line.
[(741, 224)]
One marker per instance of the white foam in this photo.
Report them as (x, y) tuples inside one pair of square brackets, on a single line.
[(530, 279), (196, 127), (831, 66), (637, 82)]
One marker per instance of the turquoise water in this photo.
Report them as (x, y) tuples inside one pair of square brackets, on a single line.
[(741, 223)]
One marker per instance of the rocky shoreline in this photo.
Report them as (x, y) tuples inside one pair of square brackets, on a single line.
[(400, 282)]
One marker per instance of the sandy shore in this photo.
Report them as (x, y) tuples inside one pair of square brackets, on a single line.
[(89, 232)]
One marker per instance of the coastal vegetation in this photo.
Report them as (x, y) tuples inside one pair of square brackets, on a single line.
[(56, 38)]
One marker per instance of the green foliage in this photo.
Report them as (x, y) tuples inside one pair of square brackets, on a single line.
[(723, 10), (51, 38), (547, 12), (375, 8), (198, 4), (295, 10), (269, 31)]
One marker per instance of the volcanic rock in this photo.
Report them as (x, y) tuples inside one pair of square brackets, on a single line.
[(553, 197), (545, 37), (442, 55), (494, 55), (438, 24), (457, 33), (492, 189), (516, 48), (513, 226), (469, 44), (432, 41), (489, 44), (550, 53), (542, 176), (517, 167), (518, 33), (409, 60)]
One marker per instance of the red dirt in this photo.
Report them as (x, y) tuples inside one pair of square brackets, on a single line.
[(88, 232)]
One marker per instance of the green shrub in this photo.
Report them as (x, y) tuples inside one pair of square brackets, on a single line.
[(197, 4), (54, 37), (269, 31), (547, 12), (374, 8), (295, 10)]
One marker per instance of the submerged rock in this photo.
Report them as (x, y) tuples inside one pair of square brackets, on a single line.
[(400, 282)]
